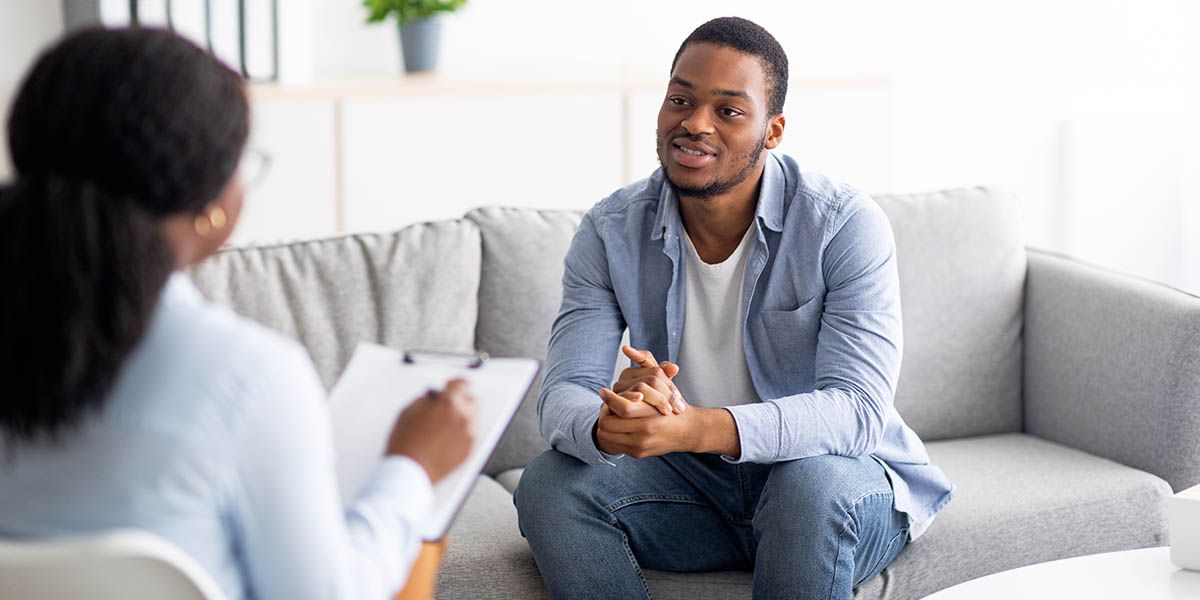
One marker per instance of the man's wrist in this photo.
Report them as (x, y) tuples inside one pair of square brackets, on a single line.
[(604, 456), (718, 432)]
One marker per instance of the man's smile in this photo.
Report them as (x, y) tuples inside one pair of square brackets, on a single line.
[(691, 154)]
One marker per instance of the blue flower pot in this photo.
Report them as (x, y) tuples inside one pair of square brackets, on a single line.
[(419, 44)]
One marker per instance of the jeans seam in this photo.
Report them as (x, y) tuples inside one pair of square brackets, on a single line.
[(887, 550), (842, 536), (640, 498), (742, 491), (629, 554)]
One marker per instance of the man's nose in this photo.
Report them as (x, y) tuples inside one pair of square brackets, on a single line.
[(697, 122)]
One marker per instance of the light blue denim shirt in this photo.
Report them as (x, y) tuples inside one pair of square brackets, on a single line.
[(216, 437), (823, 335)]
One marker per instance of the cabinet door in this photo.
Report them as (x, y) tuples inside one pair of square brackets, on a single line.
[(842, 130), (435, 157), (295, 197)]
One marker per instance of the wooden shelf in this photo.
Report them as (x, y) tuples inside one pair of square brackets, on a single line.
[(452, 84)]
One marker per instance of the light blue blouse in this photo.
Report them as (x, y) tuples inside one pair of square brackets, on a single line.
[(216, 437)]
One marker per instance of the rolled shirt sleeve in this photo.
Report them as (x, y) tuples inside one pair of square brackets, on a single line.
[(583, 343)]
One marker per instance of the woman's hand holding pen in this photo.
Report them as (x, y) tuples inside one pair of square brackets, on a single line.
[(437, 430)]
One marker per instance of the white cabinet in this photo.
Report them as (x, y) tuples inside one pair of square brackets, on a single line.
[(427, 158)]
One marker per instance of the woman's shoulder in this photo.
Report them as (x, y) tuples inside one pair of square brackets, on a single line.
[(216, 332), (224, 365)]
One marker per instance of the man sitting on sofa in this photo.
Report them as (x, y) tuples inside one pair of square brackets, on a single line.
[(769, 440)]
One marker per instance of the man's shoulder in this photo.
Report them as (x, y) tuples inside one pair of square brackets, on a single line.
[(821, 198), (817, 190)]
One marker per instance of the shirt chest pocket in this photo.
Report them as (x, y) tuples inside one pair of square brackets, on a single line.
[(792, 337)]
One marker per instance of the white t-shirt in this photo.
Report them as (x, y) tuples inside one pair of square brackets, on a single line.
[(712, 361)]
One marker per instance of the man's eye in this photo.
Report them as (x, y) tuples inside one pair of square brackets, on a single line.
[(730, 112), (677, 101)]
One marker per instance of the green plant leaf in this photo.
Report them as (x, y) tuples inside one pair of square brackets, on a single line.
[(407, 11)]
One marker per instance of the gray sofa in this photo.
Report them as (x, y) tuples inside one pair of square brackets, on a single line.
[(1062, 399)]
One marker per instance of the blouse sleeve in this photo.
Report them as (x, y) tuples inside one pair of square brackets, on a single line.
[(295, 539)]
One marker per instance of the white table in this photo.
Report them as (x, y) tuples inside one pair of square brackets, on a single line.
[(1142, 574)]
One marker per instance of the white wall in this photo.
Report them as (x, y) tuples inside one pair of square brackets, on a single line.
[(1087, 109), (1078, 106), (25, 27)]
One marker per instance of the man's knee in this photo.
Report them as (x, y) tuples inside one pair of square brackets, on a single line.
[(826, 486), (549, 484)]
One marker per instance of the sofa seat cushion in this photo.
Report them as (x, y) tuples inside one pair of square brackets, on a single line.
[(487, 557), (1023, 500), (1019, 500)]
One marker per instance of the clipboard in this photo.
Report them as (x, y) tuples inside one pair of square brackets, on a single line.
[(380, 382)]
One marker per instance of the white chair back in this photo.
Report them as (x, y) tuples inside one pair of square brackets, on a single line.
[(106, 566)]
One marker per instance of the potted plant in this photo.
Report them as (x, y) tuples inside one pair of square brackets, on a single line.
[(419, 27)]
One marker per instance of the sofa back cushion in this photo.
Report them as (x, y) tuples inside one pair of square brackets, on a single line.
[(414, 288), (520, 289), (962, 276), (962, 282)]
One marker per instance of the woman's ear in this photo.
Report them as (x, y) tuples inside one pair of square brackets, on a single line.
[(214, 224)]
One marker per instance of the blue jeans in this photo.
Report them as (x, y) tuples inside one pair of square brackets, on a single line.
[(809, 528)]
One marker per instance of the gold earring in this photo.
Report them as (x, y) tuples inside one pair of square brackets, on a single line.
[(215, 219)]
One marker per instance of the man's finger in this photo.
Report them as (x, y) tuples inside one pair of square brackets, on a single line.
[(642, 357), (658, 382), (669, 368), (655, 398), (620, 405), (635, 409)]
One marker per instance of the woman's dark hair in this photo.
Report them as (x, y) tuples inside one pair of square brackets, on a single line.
[(111, 131)]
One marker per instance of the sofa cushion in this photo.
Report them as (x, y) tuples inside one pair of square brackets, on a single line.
[(520, 290), (1023, 500), (486, 555), (414, 288), (1019, 500), (962, 278)]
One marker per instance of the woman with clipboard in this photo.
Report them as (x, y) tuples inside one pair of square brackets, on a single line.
[(129, 401)]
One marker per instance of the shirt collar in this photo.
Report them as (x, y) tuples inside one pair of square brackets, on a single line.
[(769, 210), (181, 291)]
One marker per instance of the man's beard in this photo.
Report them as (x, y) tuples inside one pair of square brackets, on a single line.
[(715, 187)]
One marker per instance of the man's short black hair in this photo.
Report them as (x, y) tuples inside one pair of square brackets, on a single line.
[(748, 37)]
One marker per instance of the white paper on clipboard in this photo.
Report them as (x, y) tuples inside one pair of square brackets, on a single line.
[(377, 385)]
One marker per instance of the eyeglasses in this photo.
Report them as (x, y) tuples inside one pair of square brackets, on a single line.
[(253, 167)]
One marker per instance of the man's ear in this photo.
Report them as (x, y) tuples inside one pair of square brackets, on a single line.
[(774, 132)]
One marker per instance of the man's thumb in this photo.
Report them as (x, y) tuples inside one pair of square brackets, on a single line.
[(670, 368)]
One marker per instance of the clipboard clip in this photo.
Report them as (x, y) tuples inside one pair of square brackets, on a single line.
[(473, 360)]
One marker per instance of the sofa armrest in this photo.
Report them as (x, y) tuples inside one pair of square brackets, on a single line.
[(1112, 366)]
